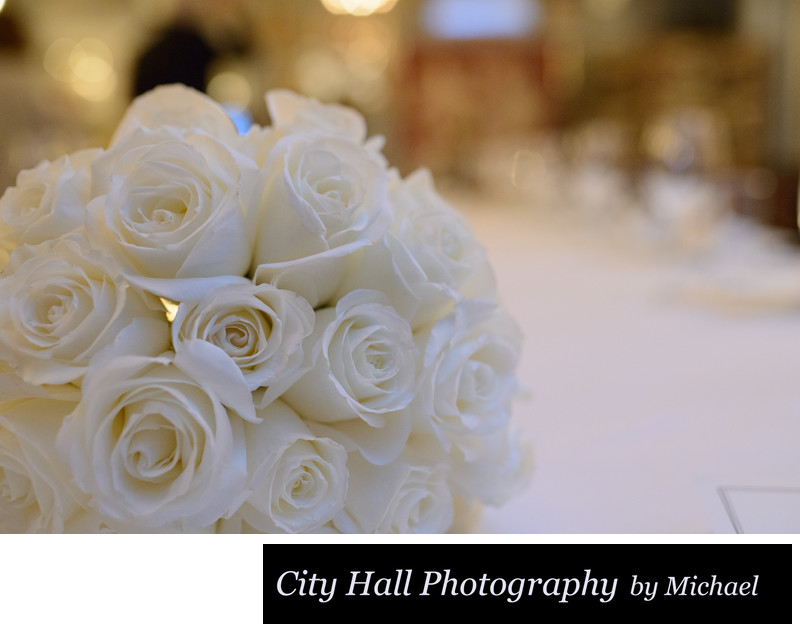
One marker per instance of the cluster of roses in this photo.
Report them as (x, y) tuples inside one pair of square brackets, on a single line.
[(205, 331)]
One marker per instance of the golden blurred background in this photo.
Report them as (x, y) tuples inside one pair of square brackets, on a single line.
[(481, 91)]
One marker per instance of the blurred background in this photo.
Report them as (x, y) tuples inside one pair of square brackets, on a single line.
[(631, 167), (487, 93)]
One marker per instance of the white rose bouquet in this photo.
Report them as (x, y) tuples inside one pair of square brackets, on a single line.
[(202, 331)]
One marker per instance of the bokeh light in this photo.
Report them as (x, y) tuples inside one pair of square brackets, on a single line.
[(358, 7), (86, 66)]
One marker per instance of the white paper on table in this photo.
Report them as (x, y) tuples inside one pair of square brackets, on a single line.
[(755, 509)]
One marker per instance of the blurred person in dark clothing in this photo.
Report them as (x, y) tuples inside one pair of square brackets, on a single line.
[(180, 55), (12, 38), (183, 53)]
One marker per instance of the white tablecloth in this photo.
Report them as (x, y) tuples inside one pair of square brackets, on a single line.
[(649, 381)]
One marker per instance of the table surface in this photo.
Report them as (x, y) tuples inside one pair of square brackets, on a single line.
[(652, 376)]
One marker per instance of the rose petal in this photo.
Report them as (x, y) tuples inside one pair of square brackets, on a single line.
[(218, 373)]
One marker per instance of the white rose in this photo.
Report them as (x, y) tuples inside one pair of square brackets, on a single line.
[(35, 494), (158, 443), (237, 525), (466, 515), (491, 468), (178, 109), (61, 304), (362, 358), (324, 199), (47, 201), (291, 112), (6, 248), (389, 266), (428, 258), (401, 497), (439, 238), (468, 374), (259, 326), (173, 208), (258, 143), (298, 481)]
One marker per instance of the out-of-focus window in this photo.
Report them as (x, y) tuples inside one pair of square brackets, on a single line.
[(480, 19)]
